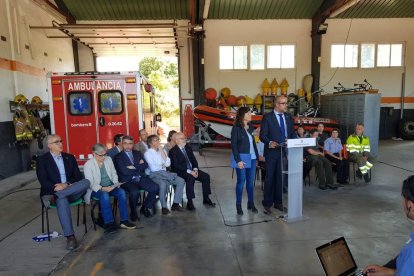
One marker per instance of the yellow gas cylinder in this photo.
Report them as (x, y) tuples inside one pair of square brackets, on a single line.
[(266, 87), (258, 101), (274, 86), (284, 87), (249, 101)]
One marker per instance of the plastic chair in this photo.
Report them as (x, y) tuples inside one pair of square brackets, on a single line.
[(52, 205)]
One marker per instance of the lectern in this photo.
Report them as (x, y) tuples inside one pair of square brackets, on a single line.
[(295, 177)]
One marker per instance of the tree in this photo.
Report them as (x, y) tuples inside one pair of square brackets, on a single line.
[(163, 75)]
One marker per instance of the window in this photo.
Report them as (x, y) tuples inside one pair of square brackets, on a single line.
[(110, 102), (257, 57), (367, 55), (389, 55), (281, 56), (80, 103), (344, 56), (233, 57)]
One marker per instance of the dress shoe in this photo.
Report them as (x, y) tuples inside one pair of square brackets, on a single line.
[(177, 207), (267, 211), (239, 209), (146, 212), (332, 186), (190, 206), (279, 206), (71, 243), (367, 178), (134, 216), (208, 201), (322, 187), (165, 211)]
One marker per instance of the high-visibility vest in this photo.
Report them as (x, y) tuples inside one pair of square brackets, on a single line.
[(353, 144)]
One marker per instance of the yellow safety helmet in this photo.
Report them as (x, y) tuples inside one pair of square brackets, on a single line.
[(20, 99), (37, 100)]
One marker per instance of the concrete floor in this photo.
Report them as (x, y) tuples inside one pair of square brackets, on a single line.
[(214, 241)]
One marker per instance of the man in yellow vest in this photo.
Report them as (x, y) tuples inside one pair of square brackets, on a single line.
[(359, 150)]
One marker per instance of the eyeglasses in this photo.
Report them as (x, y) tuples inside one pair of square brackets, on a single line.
[(283, 103), (101, 155), (56, 142)]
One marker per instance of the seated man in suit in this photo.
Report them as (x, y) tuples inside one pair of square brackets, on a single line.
[(322, 165), (130, 165), (142, 144), (184, 163), (158, 161), (118, 146), (61, 181)]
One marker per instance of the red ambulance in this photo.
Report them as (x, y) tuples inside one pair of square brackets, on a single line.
[(91, 107)]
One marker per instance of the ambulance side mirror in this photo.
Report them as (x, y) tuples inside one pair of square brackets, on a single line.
[(158, 117)]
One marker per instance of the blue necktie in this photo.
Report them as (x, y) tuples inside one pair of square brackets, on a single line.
[(282, 127), (131, 158), (189, 167)]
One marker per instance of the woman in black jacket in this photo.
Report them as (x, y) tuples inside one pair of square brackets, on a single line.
[(244, 150)]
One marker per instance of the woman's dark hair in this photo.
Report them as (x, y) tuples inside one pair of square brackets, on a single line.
[(151, 139), (240, 116), (408, 188), (170, 134)]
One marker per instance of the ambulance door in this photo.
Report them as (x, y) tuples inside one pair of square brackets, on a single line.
[(81, 125), (111, 118)]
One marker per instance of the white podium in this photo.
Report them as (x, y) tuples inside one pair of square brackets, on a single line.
[(295, 177)]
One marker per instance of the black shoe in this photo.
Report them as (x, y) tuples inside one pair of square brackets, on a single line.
[(208, 201), (127, 225), (239, 209), (250, 206), (165, 211), (134, 216), (146, 212), (190, 206), (367, 178), (322, 187), (332, 186), (111, 228), (267, 211), (359, 174), (280, 207), (177, 207)]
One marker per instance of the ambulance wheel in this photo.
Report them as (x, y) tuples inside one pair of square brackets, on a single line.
[(407, 128)]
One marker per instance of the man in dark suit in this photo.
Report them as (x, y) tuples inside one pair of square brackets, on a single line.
[(130, 165), (61, 182), (185, 165), (118, 146), (276, 128)]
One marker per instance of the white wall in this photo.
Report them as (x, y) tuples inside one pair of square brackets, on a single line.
[(32, 64), (85, 58), (387, 80), (247, 32)]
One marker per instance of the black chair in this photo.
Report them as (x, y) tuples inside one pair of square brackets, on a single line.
[(94, 202)]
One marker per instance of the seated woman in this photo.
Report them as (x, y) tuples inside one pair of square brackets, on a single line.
[(333, 151), (100, 171)]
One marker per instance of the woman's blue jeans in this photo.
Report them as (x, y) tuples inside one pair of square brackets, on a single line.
[(105, 204), (245, 176)]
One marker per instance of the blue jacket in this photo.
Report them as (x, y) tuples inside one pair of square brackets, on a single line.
[(240, 142), (48, 172), (122, 161), (271, 131)]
